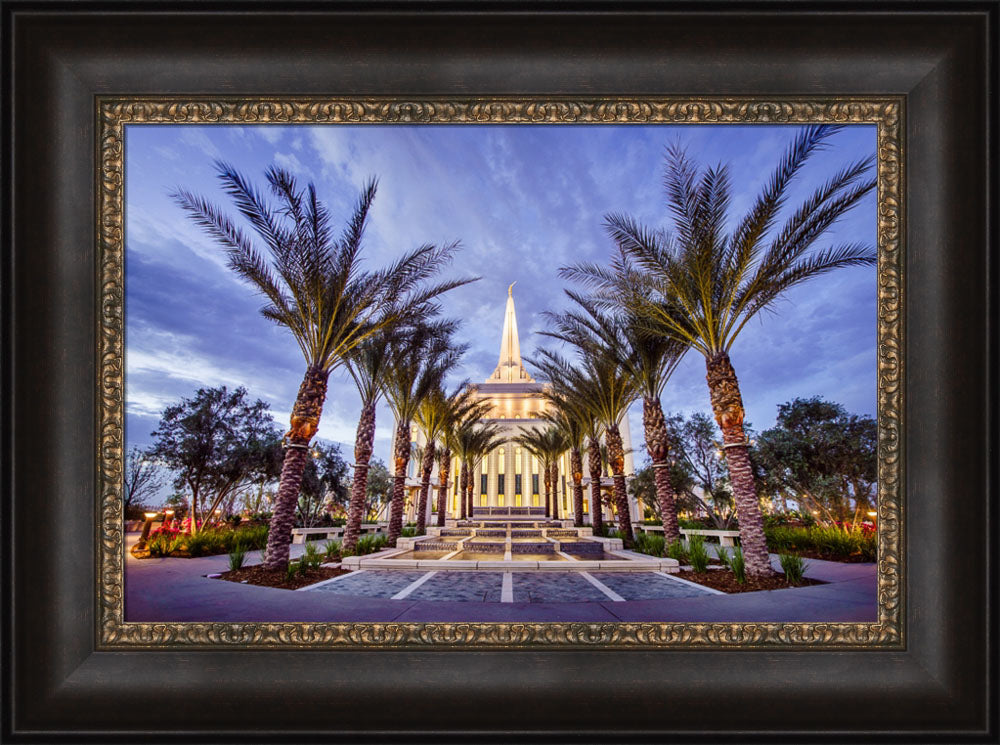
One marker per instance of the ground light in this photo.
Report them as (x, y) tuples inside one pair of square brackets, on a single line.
[(150, 516)]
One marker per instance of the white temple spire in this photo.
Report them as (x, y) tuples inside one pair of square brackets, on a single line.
[(509, 368)]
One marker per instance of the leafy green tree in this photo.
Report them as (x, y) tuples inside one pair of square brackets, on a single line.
[(324, 486), (314, 286), (698, 470), (827, 458), (702, 283), (214, 443), (142, 479), (378, 488)]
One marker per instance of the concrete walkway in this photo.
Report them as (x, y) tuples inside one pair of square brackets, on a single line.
[(178, 590)]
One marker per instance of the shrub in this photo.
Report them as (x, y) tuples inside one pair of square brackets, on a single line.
[(331, 550), (236, 558), (793, 567), (253, 536), (205, 543), (738, 565), (369, 544), (832, 543), (695, 524), (650, 544), (311, 559), (677, 551), (160, 542), (724, 559), (697, 553), (408, 532)]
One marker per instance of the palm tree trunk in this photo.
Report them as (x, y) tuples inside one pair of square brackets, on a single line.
[(363, 443), (576, 463), (727, 405), (425, 487), (402, 459), (658, 447), (304, 423), (548, 480), (594, 466), (470, 490), (444, 470), (616, 454), (555, 490), (463, 487)]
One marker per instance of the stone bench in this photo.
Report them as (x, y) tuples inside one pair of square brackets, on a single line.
[(301, 535), (725, 536)]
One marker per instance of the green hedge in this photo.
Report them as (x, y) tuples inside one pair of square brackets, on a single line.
[(834, 543), (207, 542)]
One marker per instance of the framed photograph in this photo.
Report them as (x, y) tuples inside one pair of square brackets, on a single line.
[(172, 192)]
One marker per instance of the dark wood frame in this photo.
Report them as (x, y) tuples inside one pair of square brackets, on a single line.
[(57, 57)]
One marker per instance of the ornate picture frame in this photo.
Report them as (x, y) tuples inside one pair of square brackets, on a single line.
[(73, 669), (114, 114)]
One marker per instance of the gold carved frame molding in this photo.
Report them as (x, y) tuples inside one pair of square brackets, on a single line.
[(113, 114)]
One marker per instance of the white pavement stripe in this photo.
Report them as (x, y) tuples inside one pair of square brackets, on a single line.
[(412, 586), (710, 590), (507, 588), (332, 579), (602, 587)]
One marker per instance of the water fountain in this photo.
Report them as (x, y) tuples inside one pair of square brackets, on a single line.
[(510, 539)]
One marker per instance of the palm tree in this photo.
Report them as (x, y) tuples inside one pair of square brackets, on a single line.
[(595, 466), (649, 359), (547, 445), (572, 418), (315, 287), (460, 407), (368, 364), (434, 416), (702, 286), (474, 438), (608, 391), (419, 362)]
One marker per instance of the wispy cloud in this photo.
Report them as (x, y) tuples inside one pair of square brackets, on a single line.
[(523, 200)]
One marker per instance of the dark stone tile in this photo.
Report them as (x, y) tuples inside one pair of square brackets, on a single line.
[(459, 586), (646, 585), (554, 587), (371, 584)]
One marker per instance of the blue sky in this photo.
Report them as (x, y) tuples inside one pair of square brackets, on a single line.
[(523, 200)]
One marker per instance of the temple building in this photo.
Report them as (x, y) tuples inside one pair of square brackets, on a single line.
[(510, 475)]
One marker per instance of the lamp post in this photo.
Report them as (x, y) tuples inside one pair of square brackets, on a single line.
[(168, 518), (150, 516)]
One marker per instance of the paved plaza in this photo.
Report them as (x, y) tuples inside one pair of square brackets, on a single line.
[(179, 590)]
